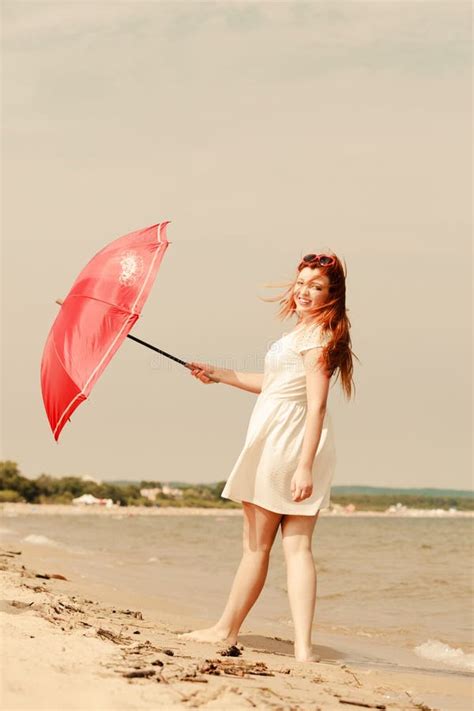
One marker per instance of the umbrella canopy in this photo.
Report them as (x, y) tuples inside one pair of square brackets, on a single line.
[(102, 306)]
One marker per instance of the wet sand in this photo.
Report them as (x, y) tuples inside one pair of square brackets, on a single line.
[(69, 646)]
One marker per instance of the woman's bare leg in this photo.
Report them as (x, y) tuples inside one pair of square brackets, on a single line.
[(297, 532), (259, 531)]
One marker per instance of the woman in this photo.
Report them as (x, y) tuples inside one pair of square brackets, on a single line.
[(283, 474)]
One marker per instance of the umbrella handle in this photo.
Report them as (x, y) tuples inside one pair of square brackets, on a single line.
[(168, 355), (158, 350)]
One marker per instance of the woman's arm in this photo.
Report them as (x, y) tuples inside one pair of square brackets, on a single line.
[(252, 382), (312, 435), (317, 388)]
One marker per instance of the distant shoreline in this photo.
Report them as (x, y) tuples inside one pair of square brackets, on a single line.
[(78, 510)]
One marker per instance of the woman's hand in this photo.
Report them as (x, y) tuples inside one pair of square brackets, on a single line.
[(199, 370), (302, 483)]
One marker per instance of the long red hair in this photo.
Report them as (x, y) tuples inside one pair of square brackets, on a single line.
[(337, 355)]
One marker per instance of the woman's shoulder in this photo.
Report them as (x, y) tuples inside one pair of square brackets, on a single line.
[(312, 332)]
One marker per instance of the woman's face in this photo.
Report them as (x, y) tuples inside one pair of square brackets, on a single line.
[(311, 289)]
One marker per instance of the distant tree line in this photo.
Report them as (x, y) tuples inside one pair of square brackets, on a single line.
[(45, 489)]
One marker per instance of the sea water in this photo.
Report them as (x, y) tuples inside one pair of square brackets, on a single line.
[(406, 583)]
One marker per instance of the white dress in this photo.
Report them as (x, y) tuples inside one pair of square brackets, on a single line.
[(263, 471)]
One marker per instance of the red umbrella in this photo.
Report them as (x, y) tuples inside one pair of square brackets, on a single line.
[(102, 306)]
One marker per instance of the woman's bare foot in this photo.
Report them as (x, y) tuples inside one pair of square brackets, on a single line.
[(306, 654), (210, 634)]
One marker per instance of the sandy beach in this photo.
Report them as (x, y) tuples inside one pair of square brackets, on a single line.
[(69, 645)]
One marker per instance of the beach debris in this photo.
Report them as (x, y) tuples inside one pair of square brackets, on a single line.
[(193, 677), (349, 671), (35, 588), (19, 603), (9, 554), (49, 576), (365, 704), (139, 674), (420, 704), (112, 636), (147, 647), (169, 652), (143, 648), (66, 607), (232, 651), (267, 690), (132, 613), (210, 668), (242, 668)]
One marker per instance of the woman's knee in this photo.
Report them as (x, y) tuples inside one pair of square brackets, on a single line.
[(293, 546), (297, 534), (260, 527)]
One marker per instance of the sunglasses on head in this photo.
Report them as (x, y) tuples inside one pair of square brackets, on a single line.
[(323, 260)]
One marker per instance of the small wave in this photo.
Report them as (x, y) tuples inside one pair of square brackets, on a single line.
[(440, 652), (40, 540)]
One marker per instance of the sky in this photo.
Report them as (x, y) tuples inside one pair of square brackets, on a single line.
[(262, 131)]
